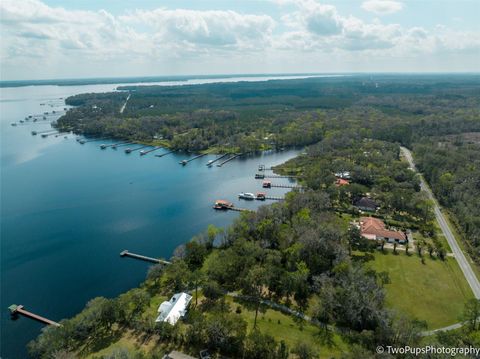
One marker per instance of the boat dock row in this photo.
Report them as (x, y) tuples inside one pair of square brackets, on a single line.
[(18, 309), (126, 253)]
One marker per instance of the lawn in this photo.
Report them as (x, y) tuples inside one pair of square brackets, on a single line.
[(435, 291), (284, 327)]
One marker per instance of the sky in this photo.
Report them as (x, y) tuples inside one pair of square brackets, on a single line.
[(117, 38)]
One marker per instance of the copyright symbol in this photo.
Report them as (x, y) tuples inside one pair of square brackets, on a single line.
[(380, 349)]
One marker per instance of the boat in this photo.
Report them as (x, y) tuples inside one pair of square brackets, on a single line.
[(82, 142), (13, 124), (44, 135), (143, 152), (267, 184), (21, 121), (34, 133), (261, 196), (128, 150), (259, 176), (103, 146), (222, 204), (183, 162), (34, 120), (246, 195), (210, 163)]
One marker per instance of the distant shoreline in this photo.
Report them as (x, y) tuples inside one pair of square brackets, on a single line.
[(147, 79)]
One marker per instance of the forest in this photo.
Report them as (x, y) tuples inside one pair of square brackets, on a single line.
[(248, 117), (295, 279)]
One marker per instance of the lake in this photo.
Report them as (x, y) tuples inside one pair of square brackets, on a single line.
[(68, 210)]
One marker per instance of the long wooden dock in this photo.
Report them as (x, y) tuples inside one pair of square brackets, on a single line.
[(143, 153), (217, 159), (164, 154), (82, 142), (229, 159), (279, 176), (126, 253), (18, 309), (286, 186), (184, 162), (104, 146)]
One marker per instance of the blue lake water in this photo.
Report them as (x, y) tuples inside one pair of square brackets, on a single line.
[(67, 210)]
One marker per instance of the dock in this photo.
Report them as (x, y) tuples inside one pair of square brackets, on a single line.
[(238, 209), (44, 135), (229, 159), (126, 253), (286, 186), (104, 146), (184, 162), (272, 198), (34, 133), (279, 176), (92, 140), (143, 153), (18, 309), (122, 144), (164, 154), (130, 150), (217, 159)]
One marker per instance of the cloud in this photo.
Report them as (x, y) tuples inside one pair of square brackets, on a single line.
[(382, 7), (206, 28), (37, 37)]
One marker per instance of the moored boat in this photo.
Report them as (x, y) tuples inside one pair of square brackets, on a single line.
[(246, 195)]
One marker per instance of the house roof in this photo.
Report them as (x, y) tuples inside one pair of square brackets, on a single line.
[(376, 227), (367, 203), (341, 182), (171, 311)]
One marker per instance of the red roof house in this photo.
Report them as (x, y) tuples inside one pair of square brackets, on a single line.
[(374, 228)]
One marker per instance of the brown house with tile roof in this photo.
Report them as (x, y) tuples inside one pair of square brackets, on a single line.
[(374, 228)]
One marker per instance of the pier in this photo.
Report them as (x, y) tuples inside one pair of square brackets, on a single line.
[(126, 253), (164, 154), (184, 162), (286, 186), (272, 198), (18, 309), (143, 153), (44, 135), (229, 159), (34, 133), (122, 144), (104, 146), (130, 150), (93, 140), (279, 176), (210, 163)]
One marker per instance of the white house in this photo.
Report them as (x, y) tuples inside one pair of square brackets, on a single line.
[(171, 311)]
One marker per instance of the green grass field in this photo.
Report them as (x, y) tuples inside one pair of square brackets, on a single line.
[(284, 327), (435, 291)]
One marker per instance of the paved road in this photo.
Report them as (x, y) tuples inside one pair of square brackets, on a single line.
[(447, 232), (125, 104)]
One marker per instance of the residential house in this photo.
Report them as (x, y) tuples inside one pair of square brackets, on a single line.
[(374, 228), (366, 204), (171, 311)]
